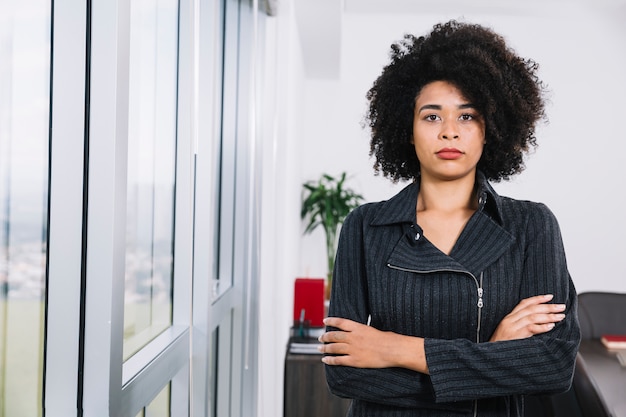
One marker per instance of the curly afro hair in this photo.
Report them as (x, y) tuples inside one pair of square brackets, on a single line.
[(502, 86)]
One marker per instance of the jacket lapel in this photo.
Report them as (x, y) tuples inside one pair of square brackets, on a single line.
[(420, 255), (481, 243)]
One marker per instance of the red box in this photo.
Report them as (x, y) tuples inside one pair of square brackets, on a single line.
[(309, 295)]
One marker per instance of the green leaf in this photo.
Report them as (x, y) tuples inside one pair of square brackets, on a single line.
[(327, 203)]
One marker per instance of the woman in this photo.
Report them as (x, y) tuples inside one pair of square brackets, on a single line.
[(448, 299)]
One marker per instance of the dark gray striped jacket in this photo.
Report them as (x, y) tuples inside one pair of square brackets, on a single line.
[(508, 251)]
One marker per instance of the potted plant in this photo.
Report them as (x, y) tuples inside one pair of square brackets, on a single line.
[(326, 203)]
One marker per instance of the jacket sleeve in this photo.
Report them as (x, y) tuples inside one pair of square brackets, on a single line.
[(461, 369), (349, 299)]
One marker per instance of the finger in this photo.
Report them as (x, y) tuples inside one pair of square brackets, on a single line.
[(549, 318), (536, 309), (537, 299), (540, 328), (336, 360), (340, 323), (547, 308), (546, 318), (539, 319), (333, 337), (540, 314), (334, 349)]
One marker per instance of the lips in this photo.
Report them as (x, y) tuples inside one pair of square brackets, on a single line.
[(449, 153)]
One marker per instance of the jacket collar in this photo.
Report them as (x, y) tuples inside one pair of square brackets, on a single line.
[(466, 255), (481, 243), (401, 207)]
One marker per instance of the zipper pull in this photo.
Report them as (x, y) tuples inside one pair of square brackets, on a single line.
[(480, 298)]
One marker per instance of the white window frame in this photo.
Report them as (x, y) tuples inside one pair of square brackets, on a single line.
[(67, 137), (227, 274), (88, 153), (125, 388)]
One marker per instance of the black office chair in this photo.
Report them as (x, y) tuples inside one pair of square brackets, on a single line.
[(587, 394), (581, 400), (601, 313)]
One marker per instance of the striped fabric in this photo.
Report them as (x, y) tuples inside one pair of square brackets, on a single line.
[(386, 269)]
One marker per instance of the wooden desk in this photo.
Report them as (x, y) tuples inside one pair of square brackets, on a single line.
[(306, 393), (608, 374)]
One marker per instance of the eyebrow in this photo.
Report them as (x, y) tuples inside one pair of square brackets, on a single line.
[(438, 107)]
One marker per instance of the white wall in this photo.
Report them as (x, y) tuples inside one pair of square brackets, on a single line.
[(280, 83)]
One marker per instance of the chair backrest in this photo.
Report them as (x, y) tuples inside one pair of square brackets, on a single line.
[(588, 396), (601, 313)]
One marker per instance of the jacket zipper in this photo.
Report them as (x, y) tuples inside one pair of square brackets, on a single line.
[(479, 286), (480, 309), (479, 304)]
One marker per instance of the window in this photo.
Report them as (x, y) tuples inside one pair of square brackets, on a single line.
[(160, 406), (24, 120), (151, 171), (225, 206), (125, 199)]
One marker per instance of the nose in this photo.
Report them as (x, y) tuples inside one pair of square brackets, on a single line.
[(449, 131)]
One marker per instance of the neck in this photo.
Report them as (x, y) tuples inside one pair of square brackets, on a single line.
[(447, 195)]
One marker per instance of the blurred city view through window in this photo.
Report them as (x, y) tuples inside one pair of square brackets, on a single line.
[(151, 171), (24, 123)]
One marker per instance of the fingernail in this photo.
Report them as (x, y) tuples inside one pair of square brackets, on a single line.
[(324, 359), (560, 316), (550, 325), (320, 349), (325, 320), (561, 307), (549, 296)]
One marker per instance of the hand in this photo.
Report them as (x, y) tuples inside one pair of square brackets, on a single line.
[(363, 346), (530, 317)]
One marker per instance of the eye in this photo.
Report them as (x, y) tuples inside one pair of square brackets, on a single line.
[(431, 118), (466, 117)]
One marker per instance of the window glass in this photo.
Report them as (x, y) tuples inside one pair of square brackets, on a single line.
[(213, 372), (24, 121), (151, 171), (160, 406), (225, 206)]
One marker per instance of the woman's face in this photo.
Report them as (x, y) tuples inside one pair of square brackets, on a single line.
[(448, 132)]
